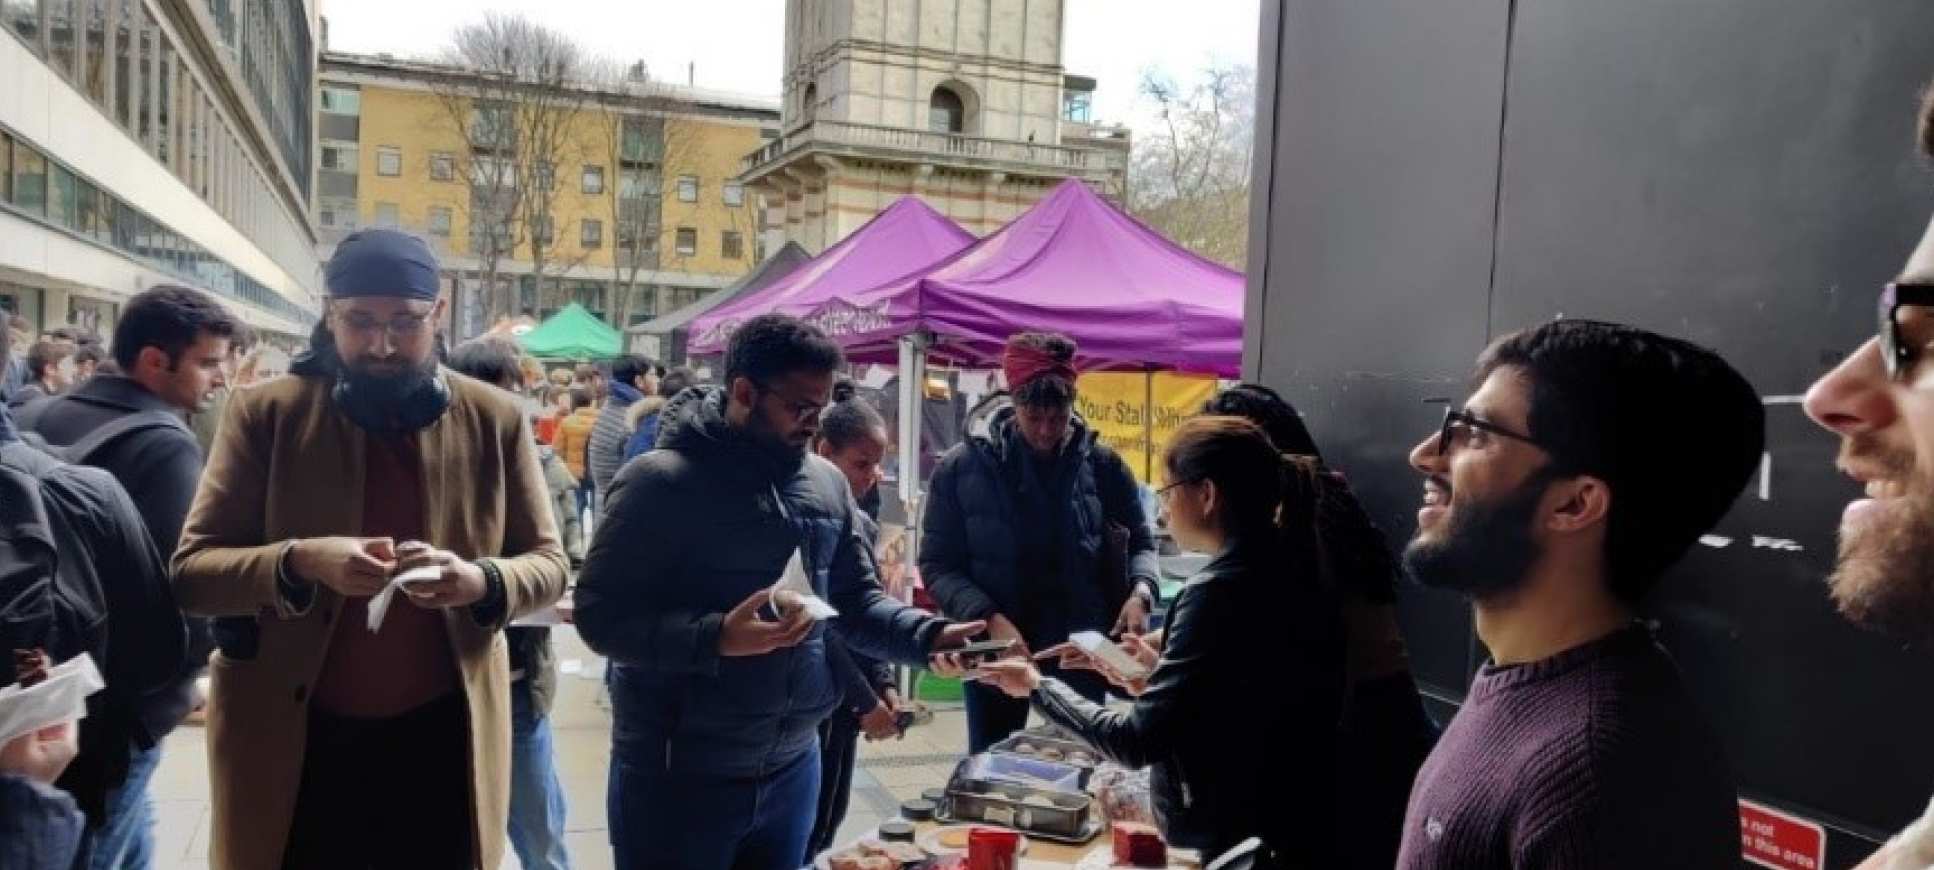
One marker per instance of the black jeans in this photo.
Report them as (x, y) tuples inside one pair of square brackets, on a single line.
[(383, 793), (992, 715), (839, 739)]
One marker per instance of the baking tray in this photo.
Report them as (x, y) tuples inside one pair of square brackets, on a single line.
[(1055, 808)]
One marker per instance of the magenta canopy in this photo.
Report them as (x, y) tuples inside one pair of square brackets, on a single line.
[(902, 240), (1072, 264)]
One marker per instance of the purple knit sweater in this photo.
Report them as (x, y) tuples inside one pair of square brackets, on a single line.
[(1593, 758)]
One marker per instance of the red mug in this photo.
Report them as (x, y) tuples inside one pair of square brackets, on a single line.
[(992, 849)]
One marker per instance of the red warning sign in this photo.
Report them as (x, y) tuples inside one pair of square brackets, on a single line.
[(1770, 838)]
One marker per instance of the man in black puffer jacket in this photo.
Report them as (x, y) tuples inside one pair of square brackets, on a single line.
[(1038, 529), (716, 703)]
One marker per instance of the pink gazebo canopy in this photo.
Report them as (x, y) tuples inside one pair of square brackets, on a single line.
[(1072, 264), (902, 240)]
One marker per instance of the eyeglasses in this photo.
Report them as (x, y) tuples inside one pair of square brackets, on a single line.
[(1897, 351), (1164, 491), (1460, 425), (800, 410), (399, 327)]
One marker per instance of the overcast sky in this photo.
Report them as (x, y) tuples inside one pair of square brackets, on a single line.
[(738, 45)]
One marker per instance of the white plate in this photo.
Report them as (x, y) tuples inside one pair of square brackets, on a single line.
[(930, 841)]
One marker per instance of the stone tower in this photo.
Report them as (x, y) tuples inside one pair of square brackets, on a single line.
[(962, 102)]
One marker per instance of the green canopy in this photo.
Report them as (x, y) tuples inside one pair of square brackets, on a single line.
[(572, 333)]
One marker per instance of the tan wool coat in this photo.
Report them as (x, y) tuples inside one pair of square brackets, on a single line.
[(287, 464)]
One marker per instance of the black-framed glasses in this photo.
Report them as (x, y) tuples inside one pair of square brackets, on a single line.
[(1896, 351), (1164, 491), (1459, 424), (399, 327)]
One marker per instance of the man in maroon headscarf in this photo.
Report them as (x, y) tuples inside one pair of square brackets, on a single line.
[(1037, 527)]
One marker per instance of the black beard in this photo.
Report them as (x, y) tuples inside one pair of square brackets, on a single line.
[(391, 403), (1487, 549)]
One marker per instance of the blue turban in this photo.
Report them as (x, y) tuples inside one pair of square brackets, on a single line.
[(382, 262)]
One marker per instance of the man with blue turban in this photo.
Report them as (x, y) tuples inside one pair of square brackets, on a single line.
[(364, 532)]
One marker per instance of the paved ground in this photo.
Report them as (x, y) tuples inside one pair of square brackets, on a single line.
[(889, 772)]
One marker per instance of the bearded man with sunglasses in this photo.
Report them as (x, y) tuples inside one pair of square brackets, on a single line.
[(336, 739), (1589, 459)]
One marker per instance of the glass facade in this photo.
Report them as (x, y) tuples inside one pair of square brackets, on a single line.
[(49, 192), (122, 56)]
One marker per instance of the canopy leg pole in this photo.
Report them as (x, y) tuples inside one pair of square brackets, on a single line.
[(1148, 427), (913, 382)]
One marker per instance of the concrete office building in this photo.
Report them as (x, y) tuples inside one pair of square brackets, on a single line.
[(157, 141), (963, 102)]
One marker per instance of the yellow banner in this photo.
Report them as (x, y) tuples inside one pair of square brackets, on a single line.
[(1131, 410)]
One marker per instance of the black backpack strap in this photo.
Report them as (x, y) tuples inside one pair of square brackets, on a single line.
[(79, 451)]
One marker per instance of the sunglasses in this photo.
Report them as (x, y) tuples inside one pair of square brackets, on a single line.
[(1896, 351)]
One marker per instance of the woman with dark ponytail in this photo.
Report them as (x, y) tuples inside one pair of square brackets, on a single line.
[(1239, 717), (1386, 734)]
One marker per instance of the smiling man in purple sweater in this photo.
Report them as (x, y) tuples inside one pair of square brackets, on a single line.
[(1589, 459)]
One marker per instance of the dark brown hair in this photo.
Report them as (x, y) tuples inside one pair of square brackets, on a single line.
[(1260, 486)]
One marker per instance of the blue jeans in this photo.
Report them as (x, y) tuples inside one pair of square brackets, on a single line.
[(536, 798), (662, 820), (125, 840)]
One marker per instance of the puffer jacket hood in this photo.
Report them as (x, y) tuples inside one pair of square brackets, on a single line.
[(641, 409), (694, 420), (1000, 438)]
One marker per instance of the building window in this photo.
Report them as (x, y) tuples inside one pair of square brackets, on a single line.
[(443, 167), (440, 221), (688, 188), (544, 174), (29, 193), (23, 17), (593, 181), (734, 193), (732, 245), (389, 161), (687, 241), (96, 68), (60, 34), (945, 112), (342, 101), (633, 184), (1078, 107), (387, 215), (543, 230), (591, 233), (339, 158)]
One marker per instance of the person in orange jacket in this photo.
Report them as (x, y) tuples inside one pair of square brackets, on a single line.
[(574, 438)]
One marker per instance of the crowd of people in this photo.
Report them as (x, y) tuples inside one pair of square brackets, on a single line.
[(347, 554)]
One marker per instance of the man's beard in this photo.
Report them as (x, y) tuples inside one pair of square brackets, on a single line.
[(377, 386), (1884, 578), (765, 438), (1487, 547)]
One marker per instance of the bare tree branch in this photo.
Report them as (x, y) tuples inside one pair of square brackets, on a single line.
[(1190, 179)]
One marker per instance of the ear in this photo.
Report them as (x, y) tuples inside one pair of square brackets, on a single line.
[(1211, 497), (742, 393), (1581, 503), (436, 311), (150, 358)]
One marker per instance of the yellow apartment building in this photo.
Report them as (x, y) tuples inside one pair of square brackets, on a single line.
[(630, 208)]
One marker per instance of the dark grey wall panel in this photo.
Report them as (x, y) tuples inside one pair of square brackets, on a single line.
[(1385, 131), (1739, 172)]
